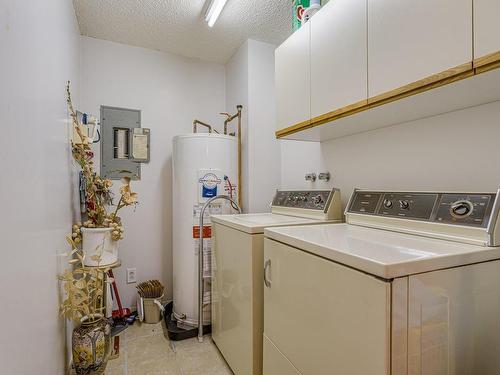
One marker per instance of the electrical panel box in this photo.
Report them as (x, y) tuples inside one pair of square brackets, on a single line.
[(124, 144)]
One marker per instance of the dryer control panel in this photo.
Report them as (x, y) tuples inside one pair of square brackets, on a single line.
[(428, 213), (305, 199), (314, 204)]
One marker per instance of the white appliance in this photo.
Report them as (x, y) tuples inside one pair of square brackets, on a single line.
[(238, 253), (204, 165), (409, 285)]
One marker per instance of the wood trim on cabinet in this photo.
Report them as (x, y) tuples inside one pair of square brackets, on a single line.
[(339, 113), (487, 68), (323, 119), (487, 63), (425, 84), (294, 128), (487, 60), (478, 66)]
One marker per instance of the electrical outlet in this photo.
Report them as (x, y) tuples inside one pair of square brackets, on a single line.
[(131, 275)]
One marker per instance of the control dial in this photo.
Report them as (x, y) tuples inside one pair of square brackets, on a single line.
[(461, 209), (318, 199), (387, 203), (404, 205)]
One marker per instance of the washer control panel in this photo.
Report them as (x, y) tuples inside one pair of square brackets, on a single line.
[(469, 209), (303, 199)]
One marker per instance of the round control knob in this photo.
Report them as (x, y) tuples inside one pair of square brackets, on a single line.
[(387, 203), (461, 209), (318, 199), (405, 205)]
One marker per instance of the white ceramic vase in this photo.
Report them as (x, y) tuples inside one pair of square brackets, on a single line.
[(98, 242)]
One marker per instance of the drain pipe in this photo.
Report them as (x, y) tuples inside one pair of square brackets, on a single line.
[(200, 260)]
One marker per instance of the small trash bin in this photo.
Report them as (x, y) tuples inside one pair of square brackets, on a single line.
[(152, 309)]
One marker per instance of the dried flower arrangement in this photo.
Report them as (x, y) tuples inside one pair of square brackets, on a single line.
[(99, 193), (84, 285)]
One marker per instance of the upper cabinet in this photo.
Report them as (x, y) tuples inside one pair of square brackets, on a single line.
[(359, 65), (293, 80), (486, 30), (338, 56), (412, 40)]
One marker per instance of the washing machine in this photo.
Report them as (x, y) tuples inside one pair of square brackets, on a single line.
[(237, 273), (410, 284)]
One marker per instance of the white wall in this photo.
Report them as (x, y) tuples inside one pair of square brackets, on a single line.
[(39, 53), (453, 151), (237, 94), (250, 82), (263, 149), (299, 158), (170, 91)]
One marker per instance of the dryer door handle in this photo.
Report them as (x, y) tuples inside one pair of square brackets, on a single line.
[(267, 265)]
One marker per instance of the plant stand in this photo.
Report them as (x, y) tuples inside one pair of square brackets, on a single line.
[(117, 264)]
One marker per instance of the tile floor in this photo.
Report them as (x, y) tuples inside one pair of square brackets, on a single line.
[(146, 350)]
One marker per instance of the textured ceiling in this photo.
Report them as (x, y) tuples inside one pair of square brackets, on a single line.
[(178, 26)]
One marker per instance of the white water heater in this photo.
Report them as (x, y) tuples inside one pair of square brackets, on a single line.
[(204, 165)]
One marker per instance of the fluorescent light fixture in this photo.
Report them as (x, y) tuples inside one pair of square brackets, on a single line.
[(213, 11)]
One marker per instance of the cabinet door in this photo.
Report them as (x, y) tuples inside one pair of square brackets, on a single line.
[(324, 317), (338, 56), (293, 80), (409, 40), (486, 27)]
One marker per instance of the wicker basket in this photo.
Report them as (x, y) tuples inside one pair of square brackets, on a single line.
[(152, 309)]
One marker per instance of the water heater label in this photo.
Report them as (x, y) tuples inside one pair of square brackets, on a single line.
[(209, 182), (207, 231)]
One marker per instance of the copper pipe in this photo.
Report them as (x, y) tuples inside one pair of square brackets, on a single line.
[(226, 123), (198, 122), (229, 118)]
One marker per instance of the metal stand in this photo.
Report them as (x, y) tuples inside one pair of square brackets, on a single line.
[(200, 261)]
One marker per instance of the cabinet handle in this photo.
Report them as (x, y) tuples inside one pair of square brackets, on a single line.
[(267, 264)]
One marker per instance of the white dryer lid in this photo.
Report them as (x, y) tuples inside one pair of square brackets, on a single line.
[(255, 223), (380, 252)]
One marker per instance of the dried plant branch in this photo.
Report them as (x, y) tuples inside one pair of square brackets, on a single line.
[(84, 286)]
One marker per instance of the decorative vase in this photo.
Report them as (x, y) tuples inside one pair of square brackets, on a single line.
[(98, 242), (91, 345)]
